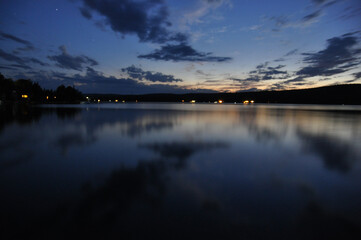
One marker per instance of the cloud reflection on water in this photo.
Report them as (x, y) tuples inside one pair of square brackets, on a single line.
[(236, 171)]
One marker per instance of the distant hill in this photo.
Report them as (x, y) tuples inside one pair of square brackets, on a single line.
[(338, 94)]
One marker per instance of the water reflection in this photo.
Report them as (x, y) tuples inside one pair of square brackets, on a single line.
[(336, 153), (180, 171)]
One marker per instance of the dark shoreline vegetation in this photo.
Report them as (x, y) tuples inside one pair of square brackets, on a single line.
[(339, 94), (27, 91), (30, 92)]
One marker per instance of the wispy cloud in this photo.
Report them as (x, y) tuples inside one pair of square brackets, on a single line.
[(67, 61), (10, 57), (196, 15), (311, 17), (357, 75), (27, 45), (182, 52), (340, 55), (94, 80), (137, 73), (21, 62)]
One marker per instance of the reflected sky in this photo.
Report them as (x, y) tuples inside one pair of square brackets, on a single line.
[(181, 171)]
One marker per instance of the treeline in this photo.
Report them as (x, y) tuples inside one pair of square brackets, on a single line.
[(23, 90), (338, 94)]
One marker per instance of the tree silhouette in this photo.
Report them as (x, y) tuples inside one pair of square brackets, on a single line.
[(29, 91)]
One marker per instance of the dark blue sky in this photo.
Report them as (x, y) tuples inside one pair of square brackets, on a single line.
[(150, 46)]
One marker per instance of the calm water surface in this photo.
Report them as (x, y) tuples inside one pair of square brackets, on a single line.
[(180, 171)]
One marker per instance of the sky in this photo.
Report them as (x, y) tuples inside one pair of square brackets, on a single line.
[(172, 46)]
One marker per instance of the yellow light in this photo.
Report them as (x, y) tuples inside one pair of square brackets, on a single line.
[(220, 101), (193, 101), (98, 100), (47, 97), (182, 100), (24, 96), (54, 96), (246, 102), (123, 101), (252, 101), (116, 100)]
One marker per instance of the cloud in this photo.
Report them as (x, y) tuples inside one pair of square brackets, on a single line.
[(22, 66), (340, 55), (85, 12), (139, 74), (28, 45), (279, 60), (295, 80), (251, 78), (66, 61), (37, 61), (182, 52), (326, 3), (97, 82), (357, 75), (148, 19), (203, 74), (351, 12), (21, 62), (10, 57), (311, 17), (7, 68), (280, 21), (265, 72), (292, 52), (317, 2), (198, 13)]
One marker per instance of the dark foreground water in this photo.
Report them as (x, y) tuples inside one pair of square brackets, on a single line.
[(180, 171)]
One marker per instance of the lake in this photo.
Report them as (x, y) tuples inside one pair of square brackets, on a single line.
[(180, 171)]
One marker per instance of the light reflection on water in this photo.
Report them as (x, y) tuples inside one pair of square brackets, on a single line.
[(181, 171)]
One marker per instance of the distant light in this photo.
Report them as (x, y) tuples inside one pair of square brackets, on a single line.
[(220, 101), (252, 101), (110, 100), (136, 100), (193, 101), (123, 101), (24, 96), (98, 100), (246, 102), (215, 102), (47, 97), (182, 100), (54, 96), (116, 100), (87, 98)]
